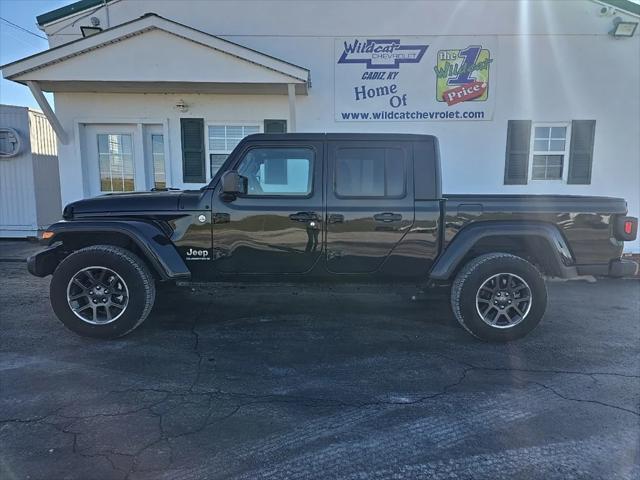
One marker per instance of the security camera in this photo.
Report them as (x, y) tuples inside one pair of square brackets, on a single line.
[(606, 11)]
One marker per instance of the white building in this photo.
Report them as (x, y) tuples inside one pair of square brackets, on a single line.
[(29, 185), (526, 97)]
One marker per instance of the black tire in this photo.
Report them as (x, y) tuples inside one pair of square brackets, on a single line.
[(137, 279), (497, 301)]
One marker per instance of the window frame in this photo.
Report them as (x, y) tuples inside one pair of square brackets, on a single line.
[(275, 146), (565, 153), (133, 161), (224, 123), (370, 197)]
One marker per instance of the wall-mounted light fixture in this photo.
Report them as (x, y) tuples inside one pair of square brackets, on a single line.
[(181, 106), (88, 31), (623, 29)]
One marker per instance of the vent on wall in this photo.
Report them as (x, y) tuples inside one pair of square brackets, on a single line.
[(10, 142)]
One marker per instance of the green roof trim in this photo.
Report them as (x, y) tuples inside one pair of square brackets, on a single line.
[(625, 5), (67, 10)]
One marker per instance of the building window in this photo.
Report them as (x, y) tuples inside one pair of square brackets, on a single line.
[(223, 139), (115, 154), (275, 126), (369, 172), (278, 171), (157, 152), (216, 160), (550, 151)]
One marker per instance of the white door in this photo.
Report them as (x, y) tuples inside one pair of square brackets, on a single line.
[(154, 157), (114, 159)]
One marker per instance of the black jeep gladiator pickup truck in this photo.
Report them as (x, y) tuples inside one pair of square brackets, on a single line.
[(354, 207)]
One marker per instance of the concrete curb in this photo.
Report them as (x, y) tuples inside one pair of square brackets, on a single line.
[(18, 250)]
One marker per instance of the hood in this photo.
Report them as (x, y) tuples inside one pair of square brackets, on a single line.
[(118, 203)]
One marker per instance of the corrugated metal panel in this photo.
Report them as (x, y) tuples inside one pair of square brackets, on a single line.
[(46, 176), (43, 138), (17, 199)]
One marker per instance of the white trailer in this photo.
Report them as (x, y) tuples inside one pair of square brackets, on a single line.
[(29, 180)]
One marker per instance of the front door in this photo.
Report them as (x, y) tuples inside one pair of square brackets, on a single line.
[(369, 203), (114, 160), (276, 228)]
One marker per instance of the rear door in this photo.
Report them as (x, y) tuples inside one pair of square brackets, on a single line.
[(369, 192)]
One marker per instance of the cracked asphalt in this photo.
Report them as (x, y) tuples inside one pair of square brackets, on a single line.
[(320, 382)]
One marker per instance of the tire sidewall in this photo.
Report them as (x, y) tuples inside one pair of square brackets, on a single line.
[(132, 276), (482, 272)]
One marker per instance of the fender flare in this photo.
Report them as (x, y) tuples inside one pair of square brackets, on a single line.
[(559, 253), (156, 247)]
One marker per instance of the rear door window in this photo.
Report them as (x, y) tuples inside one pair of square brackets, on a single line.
[(369, 172)]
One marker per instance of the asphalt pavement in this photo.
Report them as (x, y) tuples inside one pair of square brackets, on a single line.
[(320, 382)]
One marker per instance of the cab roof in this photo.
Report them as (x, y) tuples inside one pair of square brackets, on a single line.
[(390, 137)]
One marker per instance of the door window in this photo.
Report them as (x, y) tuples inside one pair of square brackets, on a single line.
[(278, 171), (115, 157), (157, 153), (369, 172)]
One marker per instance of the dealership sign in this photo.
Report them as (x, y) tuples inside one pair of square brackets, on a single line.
[(381, 53), (414, 78)]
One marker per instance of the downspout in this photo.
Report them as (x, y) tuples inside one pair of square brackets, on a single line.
[(106, 11), (291, 94)]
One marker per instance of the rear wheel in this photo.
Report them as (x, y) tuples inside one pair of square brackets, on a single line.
[(499, 297), (102, 291)]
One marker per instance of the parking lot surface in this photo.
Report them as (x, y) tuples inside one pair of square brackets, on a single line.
[(320, 382)]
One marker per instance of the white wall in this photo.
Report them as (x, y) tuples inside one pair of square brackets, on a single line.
[(336, 18), (555, 62), (17, 201)]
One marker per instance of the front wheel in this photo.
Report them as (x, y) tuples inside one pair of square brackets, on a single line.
[(499, 297), (102, 291)]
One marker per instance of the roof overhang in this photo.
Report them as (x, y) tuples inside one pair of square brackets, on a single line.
[(629, 7), (68, 10), (155, 55)]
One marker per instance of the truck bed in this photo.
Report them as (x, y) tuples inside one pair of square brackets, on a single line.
[(585, 221)]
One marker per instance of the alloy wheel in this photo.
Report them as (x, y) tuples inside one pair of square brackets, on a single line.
[(504, 300), (97, 295)]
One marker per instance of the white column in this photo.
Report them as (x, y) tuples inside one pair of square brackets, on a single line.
[(142, 168), (291, 93), (48, 111)]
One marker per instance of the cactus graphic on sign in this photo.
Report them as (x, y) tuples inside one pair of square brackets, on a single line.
[(463, 75)]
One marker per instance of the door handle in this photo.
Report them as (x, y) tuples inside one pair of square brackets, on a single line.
[(387, 217), (336, 218), (221, 218), (304, 217)]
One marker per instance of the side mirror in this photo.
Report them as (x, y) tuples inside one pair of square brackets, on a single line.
[(234, 184)]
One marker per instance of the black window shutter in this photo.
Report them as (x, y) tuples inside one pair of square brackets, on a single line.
[(193, 154), (581, 151), (516, 168), (275, 126)]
